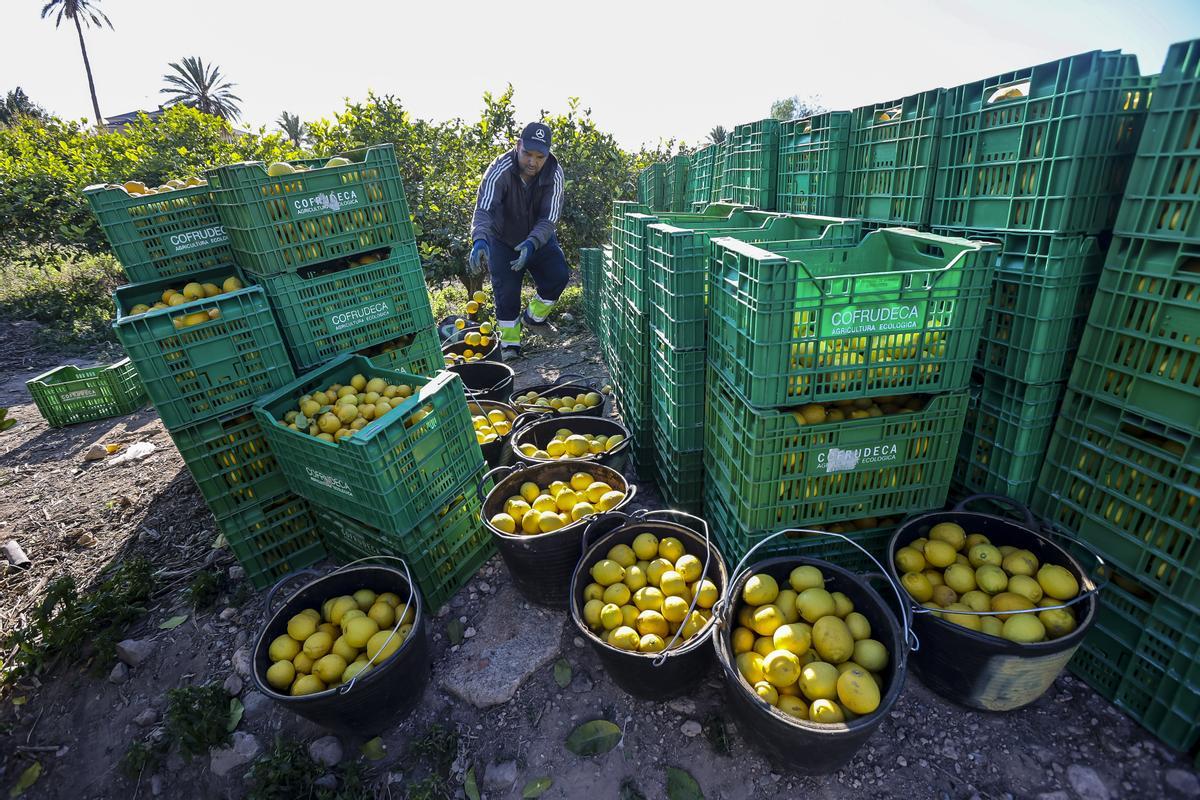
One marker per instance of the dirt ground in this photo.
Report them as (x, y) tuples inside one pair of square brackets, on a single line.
[(74, 517)]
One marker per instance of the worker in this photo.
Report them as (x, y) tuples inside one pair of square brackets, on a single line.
[(519, 204)]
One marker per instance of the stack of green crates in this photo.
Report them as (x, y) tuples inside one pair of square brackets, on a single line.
[(675, 179), (652, 187), (700, 178), (1122, 472), (720, 158), (812, 164), (1059, 138), (590, 260), (798, 335), (752, 164)]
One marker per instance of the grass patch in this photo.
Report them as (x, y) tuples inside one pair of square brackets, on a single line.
[(66, 623), (198, 718), (205, 587), (69, 292), (288, 772)]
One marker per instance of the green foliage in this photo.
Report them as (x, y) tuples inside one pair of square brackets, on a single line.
[(796, 107), (718, 134), (206, 585), (141, 756), (17, 103), (65, 622), (287, 772), (45, 165), (68, 291), (198, 718)]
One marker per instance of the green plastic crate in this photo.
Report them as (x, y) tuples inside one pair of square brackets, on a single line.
[(652, 187), (1045, 148), (279, 225), (397, 468), (773, 470), (1141, 346), (1130, 488), (1143, 654), (813, 155), (1162, 196), (678, 261), (589, 272), (633, 368), (419, 353), (231, 461), (892, 160), (752, 164), (1039, 303), (676, 181), (700, 178), (273, 537), (202, 371), (734, 540), (679, 475), (1007, 429), (69, 395), (443, 551), (899, 313), (720, 159), (161, 235), (677, 379), (328, 311)]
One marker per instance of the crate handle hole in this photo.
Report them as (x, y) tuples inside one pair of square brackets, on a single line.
[(1015, 91)]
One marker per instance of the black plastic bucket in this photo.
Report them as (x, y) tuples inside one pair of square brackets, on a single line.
[(494, 452), (541, 563), (449, 326), (972, 668), (486, 380), (572, 385), (798, 745), (650, 676), (371, 702), (459, 347), (540, 430)]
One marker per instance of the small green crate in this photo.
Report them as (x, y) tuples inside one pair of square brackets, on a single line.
[(397, 468), (281, 224), (679, 475), (813, 154), (899, 313), (1141, 347), (1130, 488), (676, 180), (1005, 435), (273, 537), (161, 235), (773, 470), (1162, 196), (652, 187), (589, 271), (231, 461), (210, 367), (700, 178), (1143, 654), (69, 395), (633, 368), (444, 550), (677, 379), (734, 541), (344, 308), (678, 261), (892, 160), (720, 159), (1039, 303), (419, 353), (1044, 148), (752, 164)]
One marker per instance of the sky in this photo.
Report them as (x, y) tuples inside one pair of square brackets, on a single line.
[(648, 70)]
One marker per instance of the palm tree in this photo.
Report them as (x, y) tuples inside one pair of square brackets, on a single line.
[(203, 88), (17, 104), (292, 127), (717, 134), (81, 12)]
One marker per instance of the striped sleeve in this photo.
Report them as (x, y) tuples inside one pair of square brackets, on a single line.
[(552, 208), (491, 189)]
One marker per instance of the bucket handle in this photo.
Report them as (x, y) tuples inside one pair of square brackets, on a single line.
[(646, 514), (473, 393), (909, 636), (585, 534), (526, 418), (412, 589), (914, 643), (270, 604), (1001, 500), (507, 469), (562, 379)]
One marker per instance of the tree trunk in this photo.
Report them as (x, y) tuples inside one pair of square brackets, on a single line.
[(87, 65)]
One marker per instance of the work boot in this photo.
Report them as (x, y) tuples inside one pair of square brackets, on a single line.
[(510, 340), (510, 352)]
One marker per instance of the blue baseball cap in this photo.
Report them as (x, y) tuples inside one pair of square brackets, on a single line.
[(536, 137)]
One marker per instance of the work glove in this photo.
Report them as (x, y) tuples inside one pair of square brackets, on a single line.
[(478, 261), (524, 251)]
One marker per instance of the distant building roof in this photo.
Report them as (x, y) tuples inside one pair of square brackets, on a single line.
[(131, 116)]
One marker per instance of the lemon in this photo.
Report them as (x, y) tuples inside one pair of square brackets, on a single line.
[(673, 584), (625, 638), (607, 572), (355, 669), (591, 613), (1025, 586), (842, 605), (806, 577), (635, 578), (623, 554), (307, 684), (550, 521), (670, 548), (379, 648), (793, 707), (674, 608), (283, 648), (329, 668), (1057, 582), (629, 615), (580, 481), (342, 648), (764, 646), (657, 568), (781, 668), (648, 598), (349, 615), (858, 626), (613, 442), (813, 604), (750, 665), (609, 500), (303, 664), (767, 692), (530, 521), (505, 523), (760, 590), (391, 598), (359, 631), (795, 637), (742, 640), (301, 626), (706, 593), (576, 445), (767, 620), (566, 500), (645, 546), (818, 680), (1020, 562), (871, 655), (651, 622), (611, 616), (1058, 622), (692, 625), (317, 645), (596, 490), (556, 449), (832, 640), (651, 643), (689, 567), (581, 510), (280, 675), (530, 491), (939, 554), (312, 612), (1023, 628), (617, 593), (545, 502), (785, 601)]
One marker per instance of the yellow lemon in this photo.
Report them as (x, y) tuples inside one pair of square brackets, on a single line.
[(505, 523), (359, 631), (283, 648), (280, 675), (379, 648), (760, 590), (307, 684), (318, 645), (301, 626), (645, 546)]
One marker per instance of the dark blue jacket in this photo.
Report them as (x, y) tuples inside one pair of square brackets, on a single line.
[(511, 212)]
